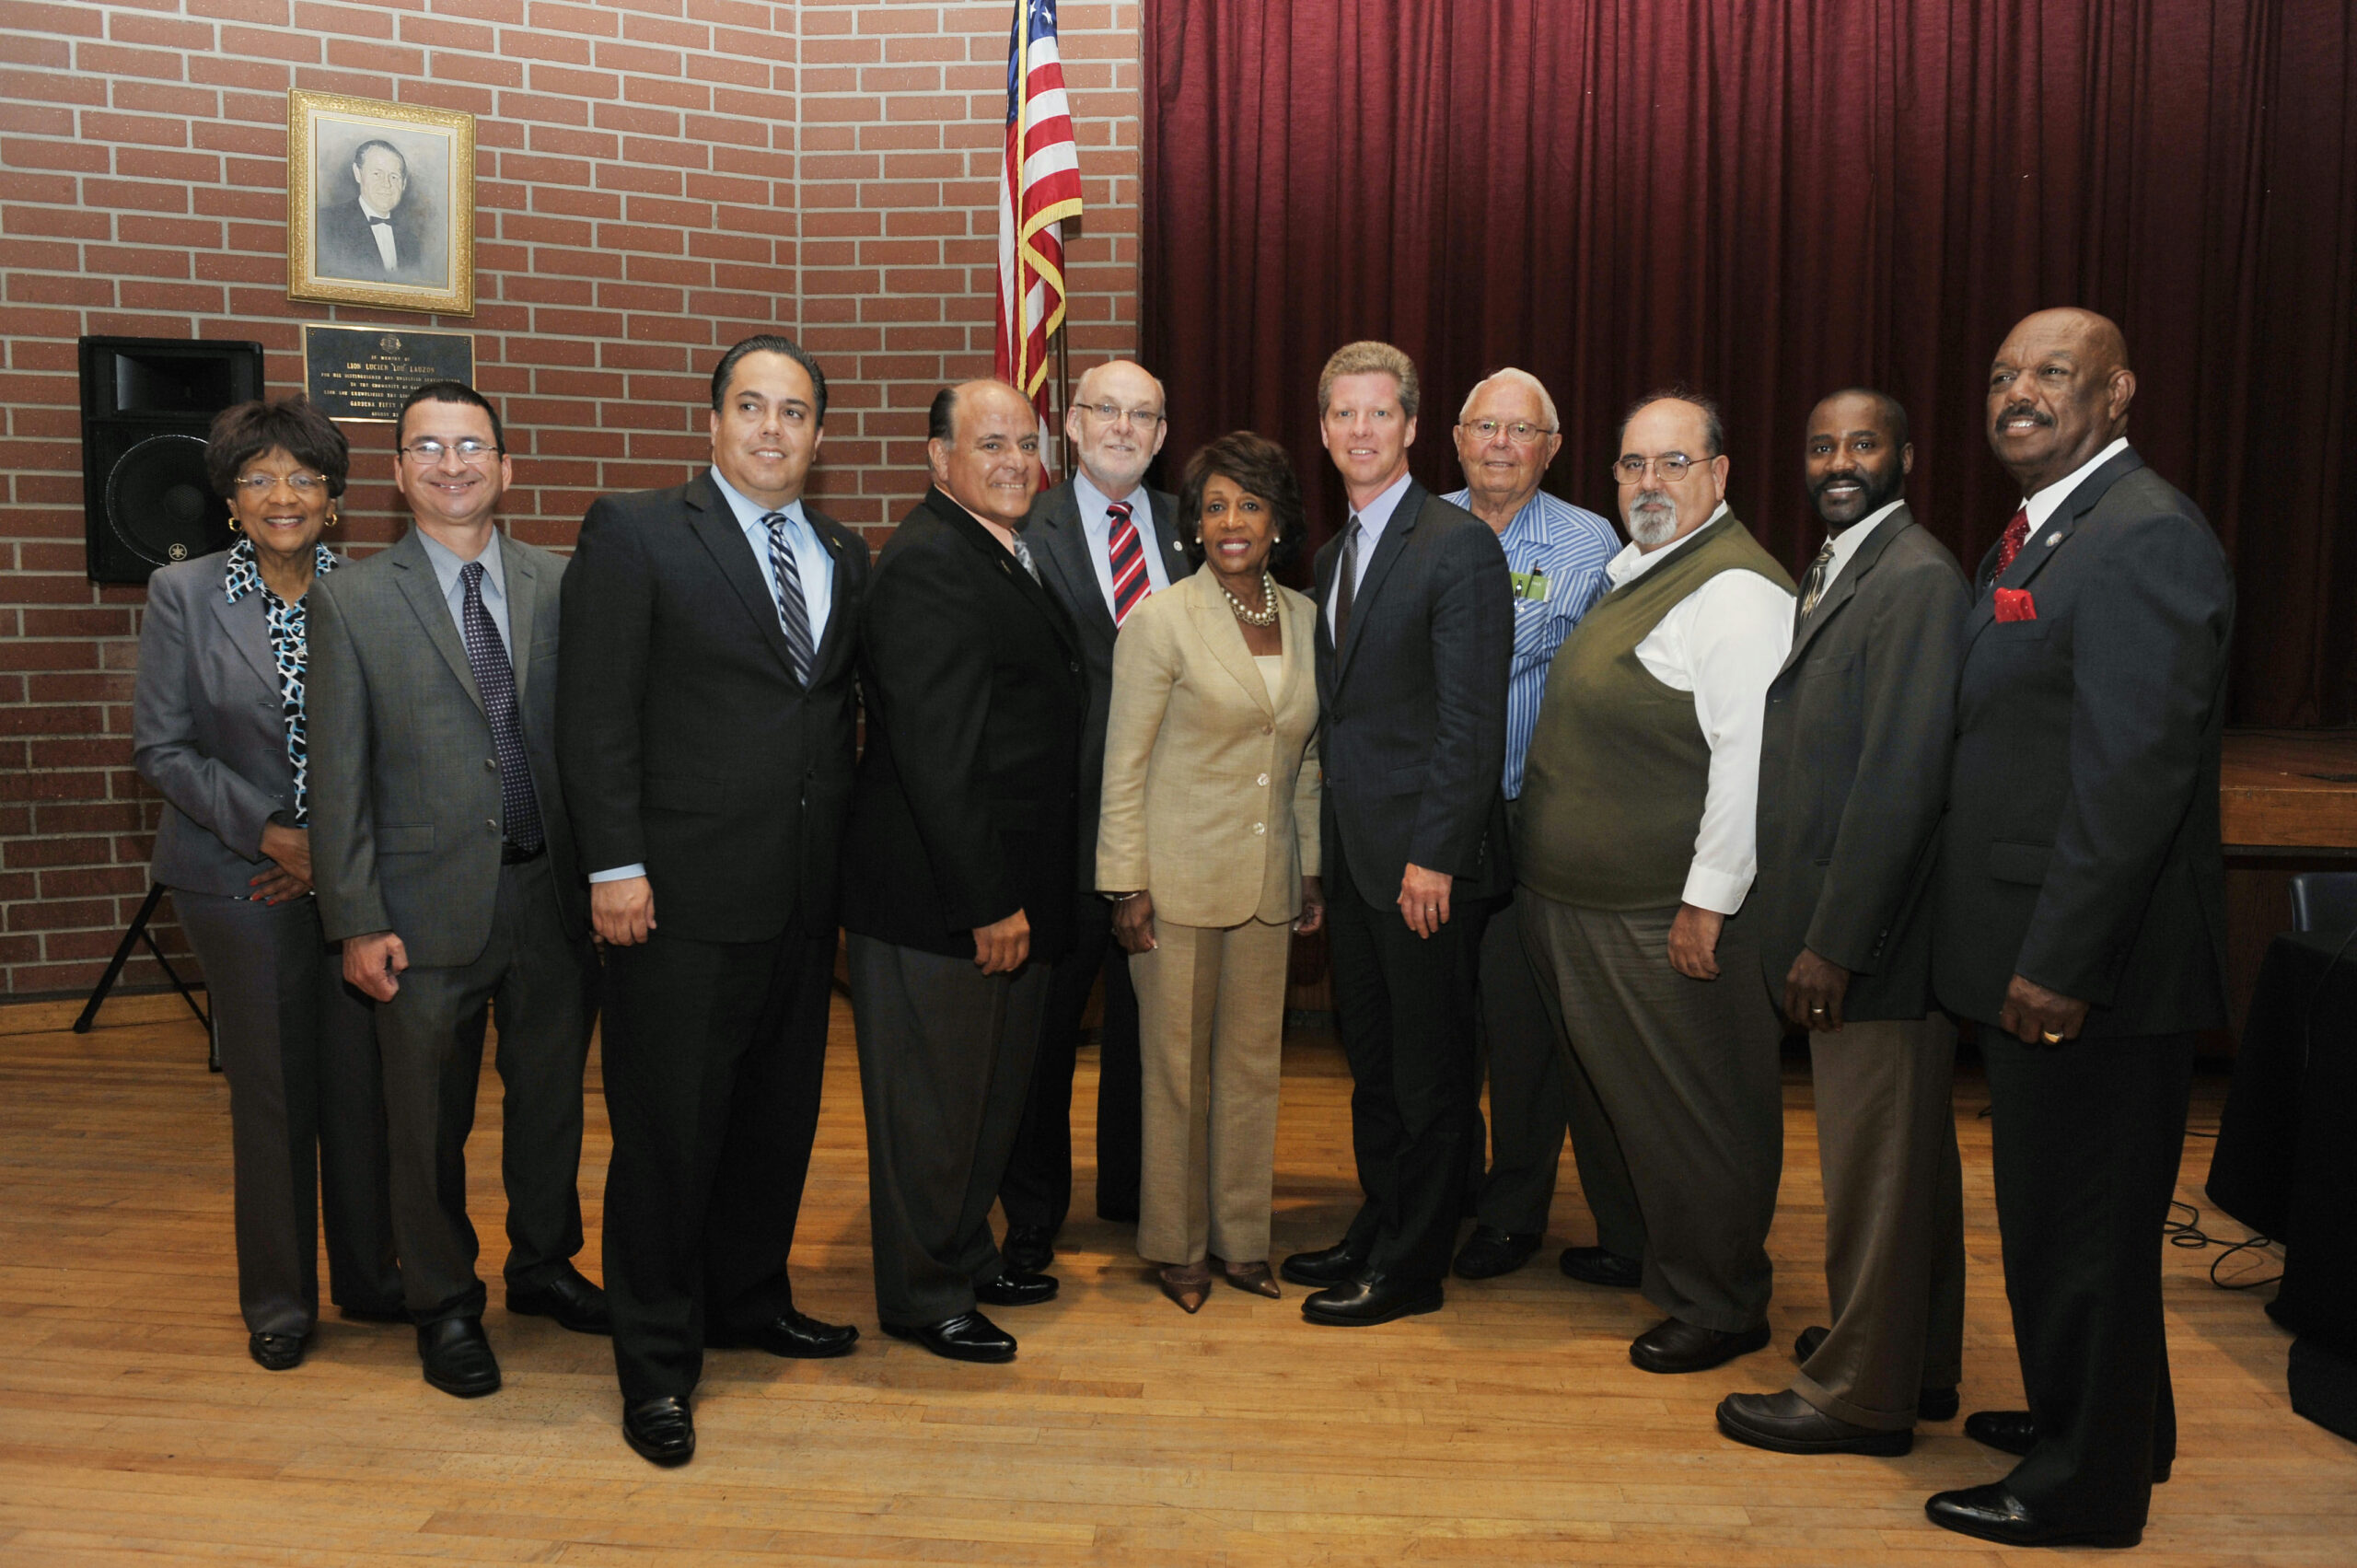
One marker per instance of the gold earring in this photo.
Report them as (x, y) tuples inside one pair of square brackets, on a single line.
[(234, 526), (333, 517)]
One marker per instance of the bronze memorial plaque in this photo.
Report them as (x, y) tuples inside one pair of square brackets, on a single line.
[(365, 371)]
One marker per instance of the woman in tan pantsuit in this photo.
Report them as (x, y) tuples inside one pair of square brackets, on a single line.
[(1208, 837)]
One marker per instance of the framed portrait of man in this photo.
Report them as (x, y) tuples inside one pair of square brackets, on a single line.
[(380, 203)]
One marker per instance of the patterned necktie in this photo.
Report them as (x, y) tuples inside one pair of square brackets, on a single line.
[(495, 679), (1023, 553), (1127, 559), (2009, 544), (1813, 586), (1346, 583), (792, 609)]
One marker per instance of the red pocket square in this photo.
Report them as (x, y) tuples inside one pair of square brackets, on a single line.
[(2015, 604)]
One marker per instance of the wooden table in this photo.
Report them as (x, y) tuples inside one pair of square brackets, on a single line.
[(2290, 792)]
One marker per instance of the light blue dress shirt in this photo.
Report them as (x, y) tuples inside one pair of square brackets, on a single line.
[(1557, 552), (1373, 518), (818, 567), (1098, 527), (446, 567)]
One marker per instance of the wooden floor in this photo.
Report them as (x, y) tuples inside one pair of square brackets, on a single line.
[(1508, 1428)]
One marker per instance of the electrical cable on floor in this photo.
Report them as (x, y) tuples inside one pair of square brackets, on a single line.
[(2187, 1233)]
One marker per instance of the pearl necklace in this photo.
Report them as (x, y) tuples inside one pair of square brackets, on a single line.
[(1264, 616)]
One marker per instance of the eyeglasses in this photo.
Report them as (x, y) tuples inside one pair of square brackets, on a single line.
[(1521, 431), (258, 484), (1671, 466), (429, 451), (1114, 413)]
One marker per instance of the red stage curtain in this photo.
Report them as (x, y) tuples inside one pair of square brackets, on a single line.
[(1770, 201)]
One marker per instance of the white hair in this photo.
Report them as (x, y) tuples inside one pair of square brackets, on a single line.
[(1522, 378)]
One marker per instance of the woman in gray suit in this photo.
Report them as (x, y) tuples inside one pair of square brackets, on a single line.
[(1208, 837), (217, 723)]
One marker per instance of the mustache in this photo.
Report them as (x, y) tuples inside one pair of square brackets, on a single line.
[(1655, 499), (2017, 410)]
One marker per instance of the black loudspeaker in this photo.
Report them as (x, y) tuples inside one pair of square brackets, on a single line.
[(146, 404)]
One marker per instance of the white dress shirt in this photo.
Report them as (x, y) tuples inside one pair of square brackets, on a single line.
[(446, 567), (1725, 643), (1372, 519), (1846, 542), (2044, 504), (1096, 525), (382, 233), (810, 557)]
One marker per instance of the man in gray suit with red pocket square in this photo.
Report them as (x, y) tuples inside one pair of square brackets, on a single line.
[(2080, 916)]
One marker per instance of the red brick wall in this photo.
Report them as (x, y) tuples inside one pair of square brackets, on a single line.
[(654, 179)]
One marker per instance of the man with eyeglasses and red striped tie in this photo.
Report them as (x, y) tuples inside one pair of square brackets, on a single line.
[(1103, 543)]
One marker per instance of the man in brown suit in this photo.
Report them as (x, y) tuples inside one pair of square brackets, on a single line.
[(1854, 766)]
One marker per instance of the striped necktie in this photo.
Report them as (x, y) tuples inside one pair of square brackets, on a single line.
[(1127, 555), (1813, 586), (792, 609)]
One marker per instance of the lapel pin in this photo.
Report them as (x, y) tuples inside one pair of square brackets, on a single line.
[(2053, 539)]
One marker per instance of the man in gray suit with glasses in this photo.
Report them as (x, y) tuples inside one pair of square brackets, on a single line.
[(444, 862)]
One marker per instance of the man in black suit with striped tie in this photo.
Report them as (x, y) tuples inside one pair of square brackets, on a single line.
[(704, 724)]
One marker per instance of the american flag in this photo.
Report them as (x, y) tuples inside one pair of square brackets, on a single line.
[(1041, 188)]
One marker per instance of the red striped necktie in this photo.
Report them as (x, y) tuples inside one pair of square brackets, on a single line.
[(1128, 556)]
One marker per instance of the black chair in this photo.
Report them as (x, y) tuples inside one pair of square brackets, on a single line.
[(2325, 902)]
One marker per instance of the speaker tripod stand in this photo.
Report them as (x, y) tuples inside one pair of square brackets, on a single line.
[(133, 935)]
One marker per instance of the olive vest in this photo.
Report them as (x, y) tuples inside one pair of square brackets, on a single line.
[(1613, 788)]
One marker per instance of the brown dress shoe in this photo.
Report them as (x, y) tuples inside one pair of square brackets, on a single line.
[(1253, 1278), (1786, 1423)]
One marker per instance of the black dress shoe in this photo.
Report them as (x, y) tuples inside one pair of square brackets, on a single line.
[(1675, 1345), (790, 1333), (1595, 1266), (275, 1352), (374, 1314), (967, 1337), (1369, 1300), (458, 1357), (1028, 1248), (660, 1430), (1992, 1513), (1786, 1423), (2008, 1432), (1931, 1404), (1012, 1287), (1489, 1252), (1329, 1266), (570, 1298), (2013, 1432)]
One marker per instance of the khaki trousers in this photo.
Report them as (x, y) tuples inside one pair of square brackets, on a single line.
[(1894, 1220), (1211, 1024)]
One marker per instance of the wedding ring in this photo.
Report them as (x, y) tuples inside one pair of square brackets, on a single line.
[(2050, 1037), (1816, 1012)]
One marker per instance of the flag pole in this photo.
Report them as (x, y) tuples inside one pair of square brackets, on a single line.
[(1063, 369)]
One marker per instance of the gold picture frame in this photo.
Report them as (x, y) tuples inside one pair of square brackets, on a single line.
[(366, 178)]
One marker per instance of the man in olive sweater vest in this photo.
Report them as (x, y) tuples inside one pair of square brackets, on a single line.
[(1637, 844)]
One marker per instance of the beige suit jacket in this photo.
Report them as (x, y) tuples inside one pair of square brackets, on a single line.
[(1211, 789)]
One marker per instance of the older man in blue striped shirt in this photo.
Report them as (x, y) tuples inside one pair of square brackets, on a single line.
[(1506, 435)]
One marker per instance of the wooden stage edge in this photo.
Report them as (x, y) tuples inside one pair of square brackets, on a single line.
[(1509, 1428)]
